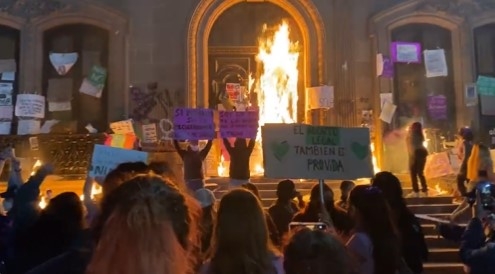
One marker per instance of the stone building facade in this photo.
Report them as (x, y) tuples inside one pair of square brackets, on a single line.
[(181, 44)]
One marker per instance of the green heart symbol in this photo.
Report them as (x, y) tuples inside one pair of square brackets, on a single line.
[(280, 149), (361, 151)]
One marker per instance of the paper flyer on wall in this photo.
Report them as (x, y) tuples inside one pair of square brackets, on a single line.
[(149, 133), (8, 76), (435, 63), (6, 88), (5, 128), (63, 62), (386, 97), (28, 127), (388, 112), (88, 89), (30, 105), (5, 99), (405, 52), (123, 127), (379, 64), (59, 106), (6, 112), (471, 95), (7, 65)]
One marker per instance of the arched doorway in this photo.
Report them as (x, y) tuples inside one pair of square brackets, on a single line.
[(207, 13)]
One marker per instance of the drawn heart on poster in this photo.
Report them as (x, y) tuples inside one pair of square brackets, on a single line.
[(361, 151), (280, 149)]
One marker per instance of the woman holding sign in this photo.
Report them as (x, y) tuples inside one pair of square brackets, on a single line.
[(417, 158), (239, 160), (193, 159)]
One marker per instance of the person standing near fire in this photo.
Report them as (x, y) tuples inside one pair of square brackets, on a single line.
[(193, 158), (417, 159), (239, 160)]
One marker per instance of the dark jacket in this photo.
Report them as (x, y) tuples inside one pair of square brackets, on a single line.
[(239, 160), (468, 147), (272, 230), (282, 215), (414, 249), (341, 220), (474, 251), (193, 160)]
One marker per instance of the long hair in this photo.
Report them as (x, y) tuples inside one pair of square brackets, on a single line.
[(416, 132), (149, 228), (375, 220), (240, 241), (473, 163), (316, 252), (485, 157), (391, 188)]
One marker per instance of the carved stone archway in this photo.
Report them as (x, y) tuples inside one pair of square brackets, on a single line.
[(448, 16), (90, 13), (207, 12)]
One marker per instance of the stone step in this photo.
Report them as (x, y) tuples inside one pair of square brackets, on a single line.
[(444, 255), (432, 208), (434, 242), (429, 229), (429, 200), (443, 268)]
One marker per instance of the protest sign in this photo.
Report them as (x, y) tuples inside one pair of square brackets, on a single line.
[(435, 63), (106, 158), (59, 90), (319, 97), (193, 124), (5, 99), (438, 165), (30, 105), (122, 127), (149, 133), (238, 124), (486, 85), (437, 107), (405, 52), (313, 152), (63, 62)]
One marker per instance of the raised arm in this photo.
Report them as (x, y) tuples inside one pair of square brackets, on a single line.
[(206, 150), (252, 143), (178, 148), (91, 207), (227, 145)]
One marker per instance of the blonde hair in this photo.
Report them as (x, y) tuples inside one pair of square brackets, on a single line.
[(150, 228), (480, 159)]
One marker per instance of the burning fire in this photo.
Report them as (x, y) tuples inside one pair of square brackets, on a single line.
[(36, 165), (376, 168)]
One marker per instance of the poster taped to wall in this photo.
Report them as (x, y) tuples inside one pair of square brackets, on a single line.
[(406, 52), (30, 105), (314, 152), (435, 63), (471, 95), (63, 62)]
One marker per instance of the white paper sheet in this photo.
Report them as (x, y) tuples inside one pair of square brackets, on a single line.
[(149, 133), (28, 127), (59, 106), (435, 63), (5, 128), (88, 89), (388, 112), (6, 112), (122, 127), (8, 76), (379, 64), (386, 97), (47, 126), (30, 105), (6, 88)]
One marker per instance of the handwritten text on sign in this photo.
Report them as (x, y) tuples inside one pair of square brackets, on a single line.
[(106, 158), (30, 105), (311, 152), (238, 124), (194, 124)]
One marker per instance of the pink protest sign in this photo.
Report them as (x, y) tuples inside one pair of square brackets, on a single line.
[(405, 52), (193, 124), (238, 124)]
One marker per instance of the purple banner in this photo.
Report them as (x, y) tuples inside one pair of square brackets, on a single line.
[(239, 124), (437, 107), (194, 124), (405, 52), (388, 68)]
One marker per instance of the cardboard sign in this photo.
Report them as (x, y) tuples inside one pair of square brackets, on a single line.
[(106, 158), (193, 124), (312, 152), (319, 97), (59, 90), (238, 124), (435, 63), (405, 52), (122, 127), (233, 91), (30, 105), (438, 165)]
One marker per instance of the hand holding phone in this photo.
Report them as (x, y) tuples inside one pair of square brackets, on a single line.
[(311, 225)]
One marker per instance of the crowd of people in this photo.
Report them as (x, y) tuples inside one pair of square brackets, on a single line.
[(147, 220)]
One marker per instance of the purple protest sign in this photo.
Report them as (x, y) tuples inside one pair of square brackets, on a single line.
[(405, 52), (437, 107), (388, 68), (238, 124), (193, 124)]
